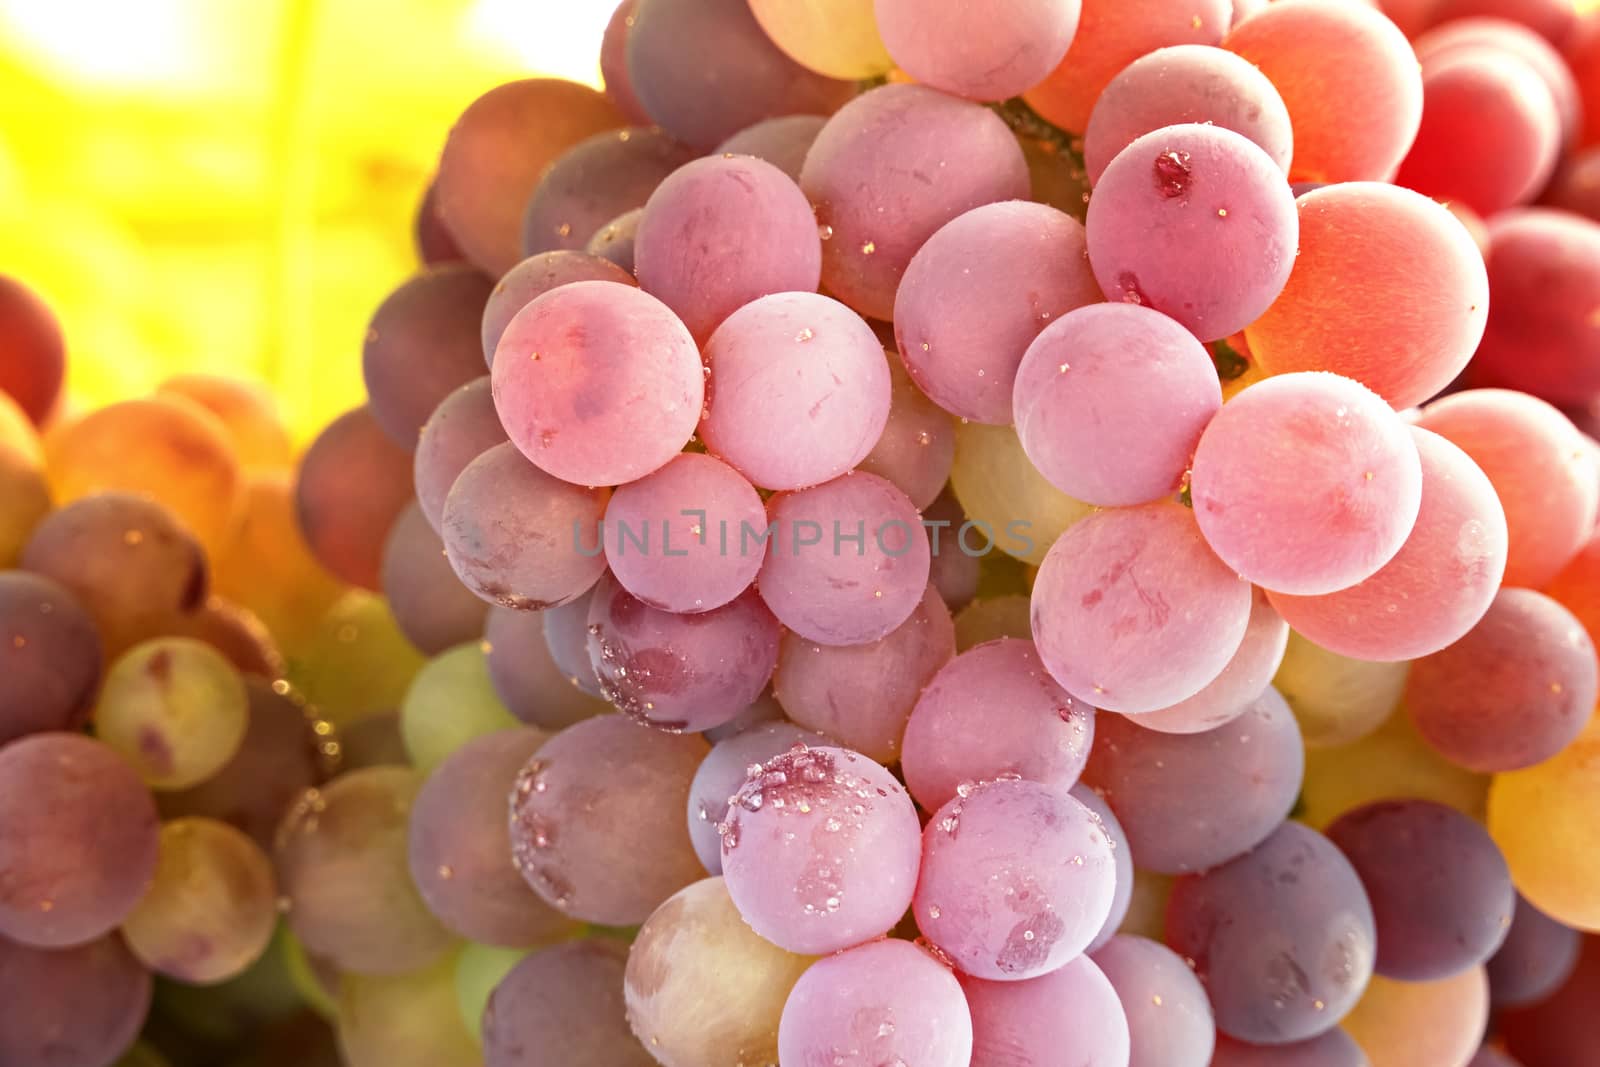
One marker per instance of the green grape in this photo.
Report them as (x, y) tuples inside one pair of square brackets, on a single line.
[(479, 969), (992, 618), (450, 702), (1337, 699), (411, 1020), (1392, 761), (1005, 497), (315, 981), (359, 663), (1147, 907)]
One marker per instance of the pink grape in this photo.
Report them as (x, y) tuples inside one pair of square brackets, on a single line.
[(1499, 34), (1110, 401), (598, 383), (70, 1007), (1436, 587), (531, 685), (615, 240), (51, 656), (987, 52), (889, 169), (1071, 1012), (535, 276), (722, 773), (798, 390), (1307, 483), (918, 445), (430, 605), (847, 561), (1017, 879), (978, 292), (351, 459), (680, 672), (1196, 222), (672, 537), (990, 711), (1133, 612), (1554, 20), (593, 182), (1122, 857), (783, 141), (820, 850), (953, 572), (763, 709), (1245, 678), (885, 1002), (566, 638), (1169, 1017), (861, 695), (1249, 770), (722, 231), (1187, 83), (463, 427), (518, 537)]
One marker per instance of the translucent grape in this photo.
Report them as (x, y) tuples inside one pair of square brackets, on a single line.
[(537, 275), (597, 822), (888, 170), (1540, 469), (1560, 1029), (783, 142), (267, 567), (1389, 762), (1168, 1016), (672, 538), (74, 1007), (357, 663), (614, 62), (993, 711), (680, 672), (341, 859), (1537, 956), (820, 850), (1196, 222), (701, 987), (1009, 505), (1349, 80), (918, 445), (598, 383), (838, 38), (721, 774), (1307, 459), (563, 1005), (978, 292), (823, 591), (593, 182), (988, 53), (434, 610), (460, 850), (615, 241), (23, 485), (421, 345), (1245, 678), (566, 639), (1110, 401), (992, 618), (952, 571), (496, 153), (1336, 699), (1133, 612), (212, 907), (408, 1020), (50, 657), (450, 703), (1420, 1024), (1282, 937), (33, 357), (518, 537), (798, 391), (248, 412), (1335, 1048), (352, 460), (530, 684), (78, 838), (1458, 35), (884, 1001)]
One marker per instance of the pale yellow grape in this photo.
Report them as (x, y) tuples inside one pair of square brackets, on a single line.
[(315, 981), (450, 702), (992, 618), (1147, 907), (838, 38), (174, 709), (1421, 1024), (702, 988), (1335, 698), (996, 485), (1546, 820), (408, 1021), (358, 663), (211, 910), (1390, 762), (479, 969)]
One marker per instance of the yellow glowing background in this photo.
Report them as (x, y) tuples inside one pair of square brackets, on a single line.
[(229, 184)]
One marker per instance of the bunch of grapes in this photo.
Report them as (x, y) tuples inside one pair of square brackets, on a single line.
[(904, 533)]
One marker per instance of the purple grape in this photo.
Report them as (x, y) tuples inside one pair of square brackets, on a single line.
[(1537, 956), (820, 850), (824, 591), (78, 840), (1332, 1049), (672, 537), (593, 182), (615, 241), (566, 638), (783, 141), (50, 658), (1070, 1015), (878, 1003), (993, 710), (1133, 612), (917, 447), (598, 383), (764, 709), (614, 62), (536, 276), (518, 537), (1017, 879), (861, 695), (704, 69), (1169, 1018), (1283, 937), (1111, 400), (421, 345), (680, 672), (722, 773), (1241, 682), (434, 244), (563, 1005), (597, 819), (460, 849), (1196, 222), (953, 572), (531, 685), (894, 165), (1122, 900), (73, 1007), (1440, 890), (430, 605), (988, 52)]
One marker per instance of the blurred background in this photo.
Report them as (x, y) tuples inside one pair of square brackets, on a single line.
[(229, 184)]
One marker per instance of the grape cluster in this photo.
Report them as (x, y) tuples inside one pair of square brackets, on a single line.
[(903, 533)]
